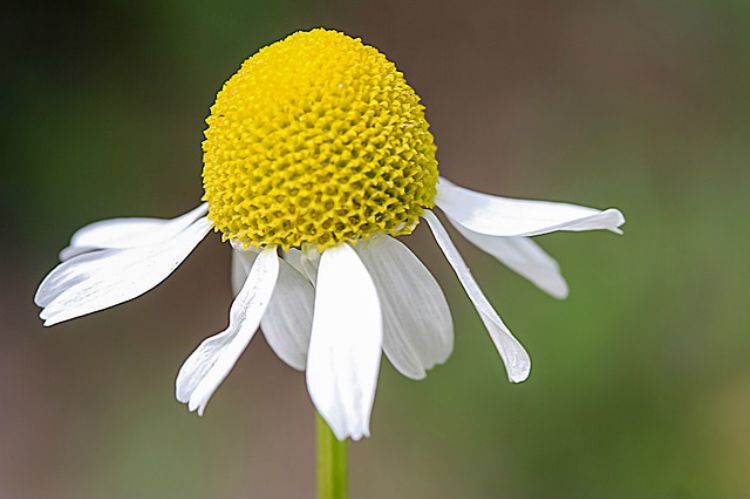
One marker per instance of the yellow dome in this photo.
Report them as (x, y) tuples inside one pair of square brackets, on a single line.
[(317, 139)]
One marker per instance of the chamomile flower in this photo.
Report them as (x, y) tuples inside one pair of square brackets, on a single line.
[(317, 157)]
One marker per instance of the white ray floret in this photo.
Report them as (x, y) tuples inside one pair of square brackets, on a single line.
[(101, 279), (129, 232), (499, 216), (417, 324), (345, 346), (211, 362), (288, 321), (517, 361), (242, 262), (522, 255)]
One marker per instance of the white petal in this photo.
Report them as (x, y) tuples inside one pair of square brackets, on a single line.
[(417, 324), (499, 216), (210, 363), (517, 361), (522, 255), (305, 261), (345, 345), (288, 320), (242, 262), (95, 281), (293, 257), (128, 232)]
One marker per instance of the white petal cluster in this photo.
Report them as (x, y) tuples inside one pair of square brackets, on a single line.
[(332, 314)]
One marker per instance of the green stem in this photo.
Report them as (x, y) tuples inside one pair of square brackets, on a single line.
[(332, 463)]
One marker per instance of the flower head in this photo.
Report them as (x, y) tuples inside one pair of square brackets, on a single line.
[(317, 139), (317, 154)]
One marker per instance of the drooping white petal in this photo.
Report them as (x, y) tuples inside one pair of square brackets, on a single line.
[(517, 361), (210, 363), (499, 216), (242, 262), (67, 274), (288, 321), (104, 278), (128, 232), (345, 346), (417, 324), (522, 255)]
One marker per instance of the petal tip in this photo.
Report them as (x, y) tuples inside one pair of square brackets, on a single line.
[(180, 395), (357, 435), (38, 299), (194, 405), (519, 374), (49, 321), (561, 291), (617, 219)]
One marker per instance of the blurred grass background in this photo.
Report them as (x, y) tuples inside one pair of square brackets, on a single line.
[(641, 379)]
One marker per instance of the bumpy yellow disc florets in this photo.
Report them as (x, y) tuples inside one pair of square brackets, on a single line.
[(317, 139)]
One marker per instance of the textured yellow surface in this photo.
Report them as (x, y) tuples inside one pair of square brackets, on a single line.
[(317, 139)]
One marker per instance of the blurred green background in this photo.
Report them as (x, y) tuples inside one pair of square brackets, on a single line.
[(641, 379)]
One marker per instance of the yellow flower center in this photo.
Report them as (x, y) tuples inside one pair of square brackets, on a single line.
[(317, 139)]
